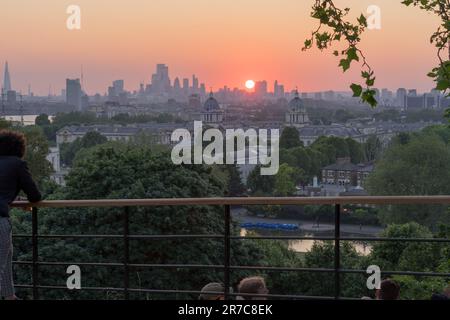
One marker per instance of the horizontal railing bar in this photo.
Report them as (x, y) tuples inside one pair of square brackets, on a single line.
[(160, 291), (396, 239), (342, 238), (116, 236), (94, 264), (401, 273), (143, 237), (281, 238), (260, 268), (437, 199)]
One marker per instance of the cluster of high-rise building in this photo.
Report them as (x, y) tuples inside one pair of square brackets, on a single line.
[(161, 89), (162, 86)]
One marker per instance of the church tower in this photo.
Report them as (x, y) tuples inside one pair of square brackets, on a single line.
[(296, 115), (212, 114)]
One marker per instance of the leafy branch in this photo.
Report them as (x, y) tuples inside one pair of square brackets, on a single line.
[(334, 27)]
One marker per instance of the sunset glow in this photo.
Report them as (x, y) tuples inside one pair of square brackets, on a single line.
[(221, 44), (250, 84)]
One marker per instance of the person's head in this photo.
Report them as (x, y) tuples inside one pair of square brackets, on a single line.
[(439, 296), (255, 285), (447, 291), (389, 290), (212, 287), (12, 143)]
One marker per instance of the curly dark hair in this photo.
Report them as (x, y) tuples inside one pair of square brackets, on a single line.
[(12, 143)]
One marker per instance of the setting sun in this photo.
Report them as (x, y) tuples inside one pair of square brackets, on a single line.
[(250, 84)]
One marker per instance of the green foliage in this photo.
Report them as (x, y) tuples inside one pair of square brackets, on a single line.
[(4, 124), (340, 30), (36, 153), (70, 150), (418, 166), (372, 148), (260, 184), (285, 181), (123, 171), (42, 120), (290, 138)]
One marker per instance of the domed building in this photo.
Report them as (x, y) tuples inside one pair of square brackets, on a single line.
[(212, 114), (296, 115)]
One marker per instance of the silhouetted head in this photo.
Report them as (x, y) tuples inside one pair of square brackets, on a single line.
[(389, 290), (12, 143), (255, 285), (212, 291)]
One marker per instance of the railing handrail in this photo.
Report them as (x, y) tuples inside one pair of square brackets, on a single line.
[(435, 199)]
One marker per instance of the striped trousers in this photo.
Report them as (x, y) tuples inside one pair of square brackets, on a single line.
[(6, 251)]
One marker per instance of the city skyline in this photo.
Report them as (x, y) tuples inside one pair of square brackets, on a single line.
[(222, 44)]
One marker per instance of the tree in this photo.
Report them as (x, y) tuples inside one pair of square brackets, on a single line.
[(92, 138), (36, 153), (290, 138), (4, 124), (70, 150), (42, 120), (413, 256), (372, 148), (339, 29), (322, 284), (258, 183), (419, 167), (285, 181), (116, 170)]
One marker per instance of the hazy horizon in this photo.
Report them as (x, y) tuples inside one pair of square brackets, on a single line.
[(221, 43)]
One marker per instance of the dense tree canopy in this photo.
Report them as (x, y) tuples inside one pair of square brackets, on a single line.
[(419, 165)]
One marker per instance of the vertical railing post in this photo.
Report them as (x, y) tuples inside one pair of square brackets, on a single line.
[(337, 250), (35, 252), (126, 252), (227, 251)]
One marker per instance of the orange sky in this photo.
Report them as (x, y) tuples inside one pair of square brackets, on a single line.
[(223, 42)]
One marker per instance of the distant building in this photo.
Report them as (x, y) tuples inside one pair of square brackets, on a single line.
[(194, 84), (73, 93), (212, 114), (296, 115), (161, 80), (7, 79), (345, 173), (261, 88), (195, 101), (186, 86), (11, 97), (160, 132), (401, 97), (118, 86)]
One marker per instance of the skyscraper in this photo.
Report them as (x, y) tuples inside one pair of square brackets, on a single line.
[(160, 79), (194, 84), (6, 79), (176, 86), (186, 86), (118, 86), (261, 88), (401, 97), (73, 93)]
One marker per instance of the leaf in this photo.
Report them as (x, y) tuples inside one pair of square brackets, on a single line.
[(357, 89), (352, 54), (345, 64)]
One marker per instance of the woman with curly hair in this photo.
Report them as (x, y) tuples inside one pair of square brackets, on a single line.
[(14, 177)]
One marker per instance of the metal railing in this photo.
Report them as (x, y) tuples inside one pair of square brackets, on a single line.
[(227, 237)]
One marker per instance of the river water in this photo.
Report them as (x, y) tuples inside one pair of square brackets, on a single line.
[(303, 246)]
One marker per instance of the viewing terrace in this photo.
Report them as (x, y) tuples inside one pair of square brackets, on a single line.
[(226, 238)]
